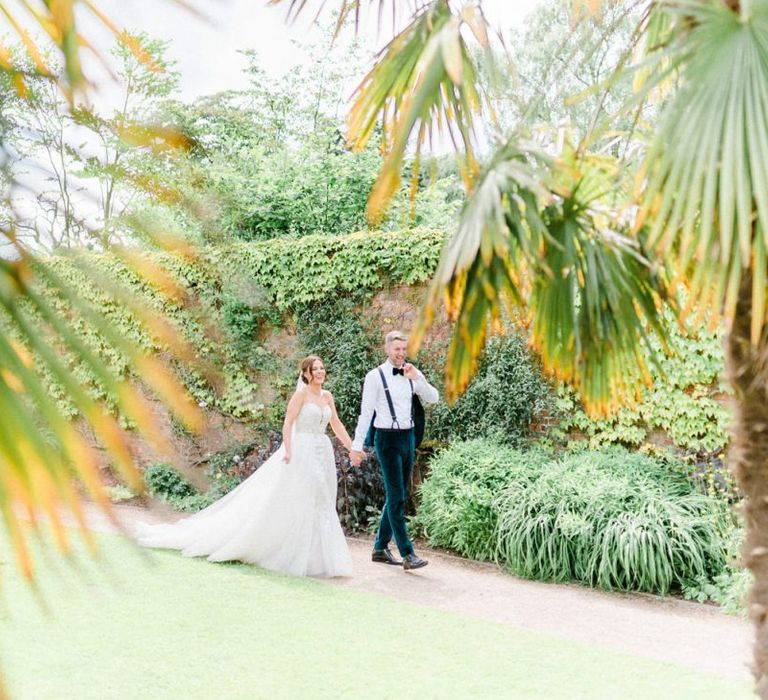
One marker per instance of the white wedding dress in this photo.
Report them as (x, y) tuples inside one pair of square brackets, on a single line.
[(282, 517)]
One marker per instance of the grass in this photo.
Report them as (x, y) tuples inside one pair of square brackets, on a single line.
[(162, 626)]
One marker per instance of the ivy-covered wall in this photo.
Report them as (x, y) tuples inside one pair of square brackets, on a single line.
[(687, 405), (235, 297), (251, 310)]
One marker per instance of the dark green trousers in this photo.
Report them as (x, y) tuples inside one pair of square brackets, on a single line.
[(395, 451)]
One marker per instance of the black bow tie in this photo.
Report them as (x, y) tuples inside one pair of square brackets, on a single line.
[(398, 370)]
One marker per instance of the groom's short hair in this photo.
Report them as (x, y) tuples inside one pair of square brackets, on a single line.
[(392, 336)]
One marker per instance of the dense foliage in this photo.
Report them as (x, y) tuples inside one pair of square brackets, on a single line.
[(242, 290), (458, 500), (337, 332), (507, 395), (684, 402), (271, 161), (608, 518), (729, 587)]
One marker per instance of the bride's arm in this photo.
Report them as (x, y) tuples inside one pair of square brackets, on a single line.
[(338, 427), (294, 406)]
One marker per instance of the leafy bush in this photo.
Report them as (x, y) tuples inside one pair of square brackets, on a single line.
[(506, 395), (235, 463), (240, 321), (360, 492), (611, 519), (193, 503), (164, 481), (336, 333), (120, 493), (457, 508), (727, 588), (713, 477)]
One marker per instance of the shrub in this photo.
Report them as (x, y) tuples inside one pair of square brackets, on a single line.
[(612, 519), (506, 396), (360, 492), (235, 463), (164, 481), (120, 493), (457, 500), (729, 587)]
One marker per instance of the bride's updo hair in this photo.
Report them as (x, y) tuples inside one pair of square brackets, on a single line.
[(306, 367)]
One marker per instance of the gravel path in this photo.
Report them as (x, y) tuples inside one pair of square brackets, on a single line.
[(696, 636)]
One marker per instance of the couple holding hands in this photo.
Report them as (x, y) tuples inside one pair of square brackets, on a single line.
[(283, 517)]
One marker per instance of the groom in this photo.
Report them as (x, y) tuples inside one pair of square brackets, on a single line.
[(387, 398)]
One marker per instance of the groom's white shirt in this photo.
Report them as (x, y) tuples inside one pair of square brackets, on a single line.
[(375, 400)]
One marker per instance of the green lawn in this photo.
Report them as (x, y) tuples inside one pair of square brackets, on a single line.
[(168, 627)]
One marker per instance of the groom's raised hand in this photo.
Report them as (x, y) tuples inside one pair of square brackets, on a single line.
[(410, 372)]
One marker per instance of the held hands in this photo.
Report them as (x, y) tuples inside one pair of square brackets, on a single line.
[(356, 457)]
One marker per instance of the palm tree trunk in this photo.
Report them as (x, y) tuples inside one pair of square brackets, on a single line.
[(748, 454)]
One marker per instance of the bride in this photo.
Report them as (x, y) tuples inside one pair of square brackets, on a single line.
[(282, 517)]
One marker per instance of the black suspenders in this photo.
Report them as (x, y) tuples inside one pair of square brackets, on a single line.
[(391, 405)]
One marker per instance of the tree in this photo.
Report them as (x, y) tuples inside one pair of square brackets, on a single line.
[(555, 58), (65, 146), (587, 248), (270, 160), (41, 138), (146, 78)]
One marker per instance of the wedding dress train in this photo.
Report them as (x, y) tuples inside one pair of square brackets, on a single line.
[(283, 517)]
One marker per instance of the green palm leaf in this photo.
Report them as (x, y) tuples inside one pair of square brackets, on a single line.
[(45, 462), (43, 456), (58, 21), (423, 83), (533, 236), (704, 187)]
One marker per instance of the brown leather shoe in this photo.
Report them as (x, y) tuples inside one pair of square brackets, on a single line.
[(384, 556), (411, 561)]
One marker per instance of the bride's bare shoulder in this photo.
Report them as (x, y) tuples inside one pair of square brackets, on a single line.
[(298, 396)]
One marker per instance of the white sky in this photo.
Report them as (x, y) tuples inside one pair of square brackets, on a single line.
[(206, 53)]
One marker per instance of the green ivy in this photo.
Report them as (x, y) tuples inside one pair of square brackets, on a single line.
[(684, 401), (295, 273), (235, 295)]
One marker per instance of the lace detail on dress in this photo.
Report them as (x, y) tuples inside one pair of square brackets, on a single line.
[(313, 418)]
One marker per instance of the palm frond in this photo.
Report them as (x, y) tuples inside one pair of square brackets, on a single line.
[(704, 184), (356, 10), (533, 237), (46, 464), (58, 21), (423, 83), (45, 459)]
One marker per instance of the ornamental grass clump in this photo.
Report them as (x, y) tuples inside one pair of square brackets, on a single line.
[(611, 519), (457, 500)]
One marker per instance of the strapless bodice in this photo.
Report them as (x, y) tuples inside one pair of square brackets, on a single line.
[(313, 418)]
